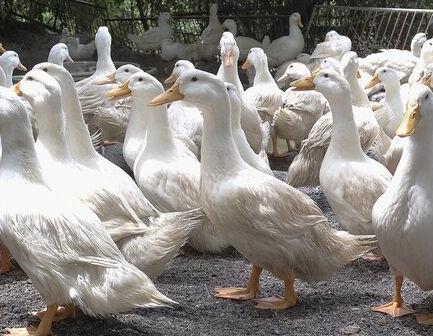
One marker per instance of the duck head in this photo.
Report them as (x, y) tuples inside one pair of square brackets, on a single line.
[(384, 75), (59, 53), (121, 75), (229, 49), (350, 64), (294, 71), (180, 67), (230, 26), (141, 85), (103, 39), (295, 19), (417, 42), (10, 60), (255, 57), (331, 35), (418, 116)]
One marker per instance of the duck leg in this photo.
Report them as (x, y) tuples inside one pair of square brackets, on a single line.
[(44, 327), (5, 259), (62, 313), (275, 152), (277, 303), (396, 307), (237, 293), (425, 319)]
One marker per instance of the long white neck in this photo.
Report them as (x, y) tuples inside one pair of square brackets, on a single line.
[(424, 60), (359, 96), (345, 138), (104, 65), (18, 151), (8, 72), (2, 78), (51, 124), (137, 123), (77, 134), (393, 99), (230, 74), (219, 154), (213, 18), (159, 137), (55, 59), (295, 31), (262, 73)]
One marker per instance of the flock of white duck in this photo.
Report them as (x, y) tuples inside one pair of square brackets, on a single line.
[(91, 238)]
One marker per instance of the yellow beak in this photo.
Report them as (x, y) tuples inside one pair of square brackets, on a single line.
[(373, 81), (120, 92), (21, 67), (426, 79), (282, 78), (171, 79), (168, 96), (107, 80), (228, 59), (69, 59), (315, 71), (2, 50), (410, 120), (303, 84), (300, 23), (17, 89), (247, 64)]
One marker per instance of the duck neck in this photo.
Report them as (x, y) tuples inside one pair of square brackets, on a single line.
[(345, 138), (262, 73), (51, 123), (219, 154), (8, 71), (159, 137), (137, 122), (18, 151), (2, 78), (105, 64), (393, 99), (77, 135), (295, 31), (55, 59), (213, 18), (359, 97), (230, 74)]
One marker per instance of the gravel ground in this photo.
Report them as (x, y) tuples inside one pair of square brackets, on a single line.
[(339, 306)]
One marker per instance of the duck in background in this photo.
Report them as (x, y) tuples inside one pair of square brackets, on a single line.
[(283, 82), (288, 47), (264, 94), (59, 53), (65, 251), (335, 46), (210, 37), (151, 39), (425, 58), (402, 215), (77, 50), (290, 237)]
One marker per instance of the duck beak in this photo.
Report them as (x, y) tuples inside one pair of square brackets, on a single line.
[(282, 78), (300, 23), (107, 80), (303, 84), (69, 59), (21, 67), (171, 79), (426, 79), (410, 120), (315, 71), (373, 81), (228, 59), (247, 64), (358, 74), (120, 92), (17, 89), (168, 96), (2, 50)]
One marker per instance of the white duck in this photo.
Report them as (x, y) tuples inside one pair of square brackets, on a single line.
[(244, 148), (402, 215), (425, 58), (305, 168), (350, 180), (390, 114), (9, 61), (126, 211), (186, 120), (244, 43), (294, 120), (65, 251), (77, 50), (288, 47), (402, 61), (151, 39), (2, 78), (59, 53), (166, 171), (256, 132), (273, 225), (284, 81), (265, 95), (335, 45), (211, 35)]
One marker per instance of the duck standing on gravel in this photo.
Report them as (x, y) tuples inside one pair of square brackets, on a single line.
[(58, 242), (275, 226)]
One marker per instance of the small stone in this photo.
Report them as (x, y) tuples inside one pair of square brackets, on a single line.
[(350, 329)]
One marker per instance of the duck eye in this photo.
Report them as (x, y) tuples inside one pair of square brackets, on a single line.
[(176, 66), (326, 75), (140, 79), (384, 70), (426, 97), (194, 79), (45, 69), (126, 70), (30, 78)]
